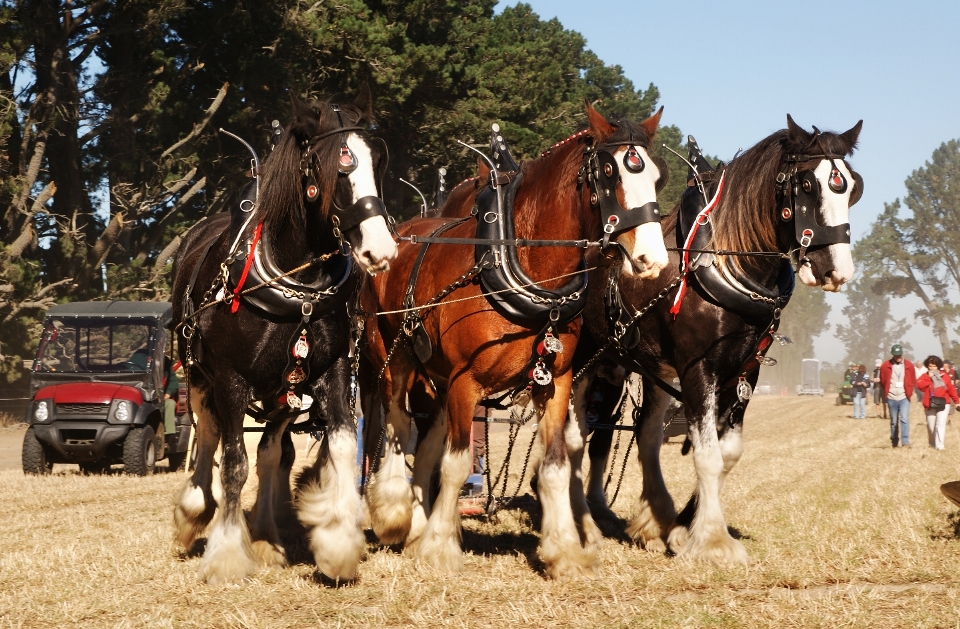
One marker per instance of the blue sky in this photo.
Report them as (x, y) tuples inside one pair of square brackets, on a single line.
[(729, 72)]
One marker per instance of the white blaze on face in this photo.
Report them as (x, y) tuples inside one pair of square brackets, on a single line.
[(377, 247), (835, 210), (644, 242)]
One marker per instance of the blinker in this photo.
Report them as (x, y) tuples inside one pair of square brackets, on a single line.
[(632, 160), (347, 162), (837, 182)]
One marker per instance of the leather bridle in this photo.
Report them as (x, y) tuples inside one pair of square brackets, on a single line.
[(602, 174), (798, 197), (344, 219)]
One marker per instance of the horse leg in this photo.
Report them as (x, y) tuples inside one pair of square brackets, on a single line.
[(197, 503), (600, 441), (439, 545), (708, 537), (270, 495), (228, 557), (425, 462), (655, 512), (731, 448), (389, 495), (329, 500), (569, 537)]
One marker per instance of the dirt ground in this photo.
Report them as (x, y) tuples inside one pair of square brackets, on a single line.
[(841, 530)]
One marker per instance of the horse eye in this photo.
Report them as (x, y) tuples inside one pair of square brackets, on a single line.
[(632, 160), (837, 182)]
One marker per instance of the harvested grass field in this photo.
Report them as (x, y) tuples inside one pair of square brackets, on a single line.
[(841, 530)]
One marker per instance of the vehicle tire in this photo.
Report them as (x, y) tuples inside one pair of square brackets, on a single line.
[(161, 440), (140, 451), (34, 457), (838, 402)]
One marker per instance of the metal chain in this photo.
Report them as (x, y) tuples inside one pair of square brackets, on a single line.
[(616, 444), (623, 469), (615, 338)]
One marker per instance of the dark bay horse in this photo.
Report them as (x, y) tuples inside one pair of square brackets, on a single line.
[(713, 345), (478, 351), (318, 210)]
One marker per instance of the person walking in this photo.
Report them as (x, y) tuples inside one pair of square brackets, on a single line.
[(898, 379), (860, 381), (878, 400), (938, 390)]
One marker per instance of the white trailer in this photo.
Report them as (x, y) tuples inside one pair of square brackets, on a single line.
[(809, 378)]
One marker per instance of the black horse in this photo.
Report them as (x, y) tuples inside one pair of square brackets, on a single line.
[(789, 193), (263, 305)]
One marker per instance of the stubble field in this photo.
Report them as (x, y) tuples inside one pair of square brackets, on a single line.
[(842, 531)]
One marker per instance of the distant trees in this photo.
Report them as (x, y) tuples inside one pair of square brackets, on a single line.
[(917, 254), (109, 111), (870, 329), (804, 319)]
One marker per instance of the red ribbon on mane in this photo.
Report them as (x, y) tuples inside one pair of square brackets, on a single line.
[(246, 269), (685, 259)]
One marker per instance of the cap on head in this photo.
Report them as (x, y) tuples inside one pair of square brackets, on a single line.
[(878, 363), (896, 350)]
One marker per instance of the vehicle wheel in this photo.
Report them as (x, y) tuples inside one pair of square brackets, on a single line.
[(34, 457), (140, 451), (838, 402)]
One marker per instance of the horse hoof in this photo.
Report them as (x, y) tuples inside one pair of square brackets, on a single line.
[(569, 560), (391, 510), (442, 554), (677, 538), (223, 568), (268, 554), (645, 530), (191, 515), (720, 549)]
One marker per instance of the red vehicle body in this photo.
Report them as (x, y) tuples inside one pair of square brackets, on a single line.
[(99, 385)]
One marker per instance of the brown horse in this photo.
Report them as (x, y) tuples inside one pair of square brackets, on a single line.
[(715, 337), (477, 351)]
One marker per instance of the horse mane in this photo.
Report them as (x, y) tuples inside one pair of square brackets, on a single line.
[(747, 216), (282, 202)]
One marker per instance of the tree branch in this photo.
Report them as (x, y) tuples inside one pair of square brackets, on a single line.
[(198, 128)]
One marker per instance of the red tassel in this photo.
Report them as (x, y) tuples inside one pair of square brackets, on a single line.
[(246, 269)]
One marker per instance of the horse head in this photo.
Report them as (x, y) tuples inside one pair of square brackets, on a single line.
[(339, 169), (631, 217), (816, 171)]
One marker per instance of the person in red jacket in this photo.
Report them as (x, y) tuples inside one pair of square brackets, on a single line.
[(898, 379), (938, 392)]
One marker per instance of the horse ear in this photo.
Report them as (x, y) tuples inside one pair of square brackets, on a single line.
[(797, 135), (849, 137), (300, 109), (600, 129), (483, 171), (650, 124), (364, 102)]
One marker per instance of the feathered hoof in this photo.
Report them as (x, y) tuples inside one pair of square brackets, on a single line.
[(719, 548), (677, 538), (568, 560), (442, 553), (391, 510), (645, 530), (191, 515), (223, 567), (269, 554), (338, 551)]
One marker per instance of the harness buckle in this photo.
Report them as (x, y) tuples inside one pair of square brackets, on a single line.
[(306, 308), (806, 238)]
